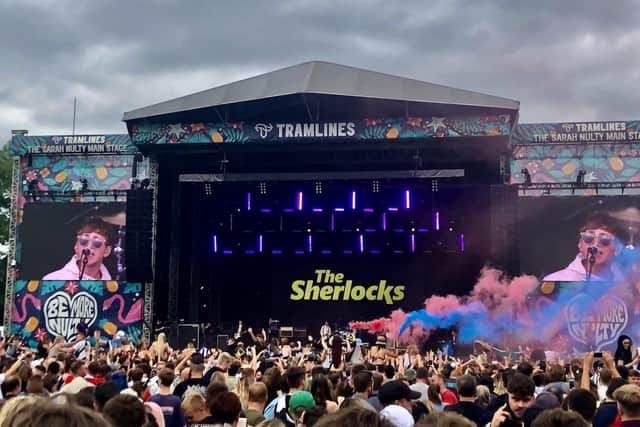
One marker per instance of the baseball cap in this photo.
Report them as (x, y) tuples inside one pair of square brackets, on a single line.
[(410, 374), (397, 415), (396, 390), (301, 399)]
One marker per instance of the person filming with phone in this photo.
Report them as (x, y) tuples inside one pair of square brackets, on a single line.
[(520, 393)]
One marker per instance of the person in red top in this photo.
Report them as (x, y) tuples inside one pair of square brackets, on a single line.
[(77, 369), (94, 374), (447, 395)]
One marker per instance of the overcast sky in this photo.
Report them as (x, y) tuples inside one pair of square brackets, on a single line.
[(574, 60)]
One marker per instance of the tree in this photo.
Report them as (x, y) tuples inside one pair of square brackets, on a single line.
[(6, 165)]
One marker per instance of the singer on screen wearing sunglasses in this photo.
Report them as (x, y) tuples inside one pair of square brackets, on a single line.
[(598, 245), (91, 247)]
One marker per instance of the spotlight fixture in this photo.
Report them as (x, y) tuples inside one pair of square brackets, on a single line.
[(318, 187), (262, 187), (208, 190), (527, 176), (375, 186), (580, 178)]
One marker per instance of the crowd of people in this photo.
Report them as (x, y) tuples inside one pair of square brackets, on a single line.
[(257, 380)]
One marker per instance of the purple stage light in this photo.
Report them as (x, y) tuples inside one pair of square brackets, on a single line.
[(260, 243), (367, 210), (299, 252), (309, 243), (461, 242), (384, 221), (339, 209), (412, 241), (227, 252), (248, 201), (423, 230), (347, 251), (374, 252), (214, 244), (325, 252), (369, 230), (353, 200), (265, 210), (436, 220), (250, 252), (317, 209), (287, 210), (299, 201), (276, 252), (407, 199), (398, 230), (392, 209), (361, 238), (333, 222)]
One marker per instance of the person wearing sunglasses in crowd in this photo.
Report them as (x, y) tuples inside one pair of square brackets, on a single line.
[(598, 245), (92, 247)]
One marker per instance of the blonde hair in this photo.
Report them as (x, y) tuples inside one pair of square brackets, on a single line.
[(58, 340), (194, 401), (18, 404)]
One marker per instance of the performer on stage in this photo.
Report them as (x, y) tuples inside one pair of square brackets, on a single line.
[(598, 244), (91, 248)]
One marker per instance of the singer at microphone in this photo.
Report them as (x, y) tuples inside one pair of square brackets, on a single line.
[(598, 246), (92, 246)]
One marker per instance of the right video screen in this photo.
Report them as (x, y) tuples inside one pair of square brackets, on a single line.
[(574, 239)]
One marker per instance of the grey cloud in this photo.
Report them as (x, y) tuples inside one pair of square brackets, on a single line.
[(564, 60)]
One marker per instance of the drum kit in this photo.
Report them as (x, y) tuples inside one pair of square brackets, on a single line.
[(630, 218)]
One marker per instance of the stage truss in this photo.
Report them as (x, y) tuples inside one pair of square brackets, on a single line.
[(9, 291), (147, 326)]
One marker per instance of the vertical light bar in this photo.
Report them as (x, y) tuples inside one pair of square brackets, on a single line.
[(214, 244), (412, 241), (299, 200), (437, 220), (384, 221), (309, 243), (248, 201), (333, 222), (260, 243), (353, 200), (361, 238), (407, 199), (461, 242)]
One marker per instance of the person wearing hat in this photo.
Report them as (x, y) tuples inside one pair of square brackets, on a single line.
[(298, 403), (196, 381), (396, 396)]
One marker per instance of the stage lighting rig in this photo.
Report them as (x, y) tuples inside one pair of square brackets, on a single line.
[(580, 178), (527, 176)]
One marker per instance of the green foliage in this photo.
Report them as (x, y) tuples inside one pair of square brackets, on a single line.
[(5, 204)]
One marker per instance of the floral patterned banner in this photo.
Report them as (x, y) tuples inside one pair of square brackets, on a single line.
[(21, 145), (577, 132), (368, 129), (56, 307)]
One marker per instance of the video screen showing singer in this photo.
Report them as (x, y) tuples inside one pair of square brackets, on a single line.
[(93, 244), (599, 242)]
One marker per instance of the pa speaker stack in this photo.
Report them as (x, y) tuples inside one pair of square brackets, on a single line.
[(139, 234)]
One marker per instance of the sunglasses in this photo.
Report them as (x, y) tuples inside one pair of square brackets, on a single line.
[(95, 243), (589, 238)]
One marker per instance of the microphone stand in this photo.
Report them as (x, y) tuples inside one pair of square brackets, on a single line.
[(85, 260), (590, 262)]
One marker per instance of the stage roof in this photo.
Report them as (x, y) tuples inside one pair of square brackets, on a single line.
[(324, 78)]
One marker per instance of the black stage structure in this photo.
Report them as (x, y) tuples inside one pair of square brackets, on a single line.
[(243, 229)]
